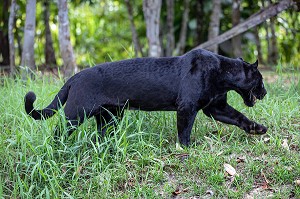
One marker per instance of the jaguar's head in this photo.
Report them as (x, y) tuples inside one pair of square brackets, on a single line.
[(251, 86)]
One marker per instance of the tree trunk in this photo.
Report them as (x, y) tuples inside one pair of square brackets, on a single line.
[(236, 41), (151, 9), (200, 21), (266, 25), (258, 45), (4, 49), (182, 38), (273, 53), (135, 39), (65, 46), (49, 50), (28, 45), (252, 21), (214, 24), (11, 25), (170, 28), (19, 42)]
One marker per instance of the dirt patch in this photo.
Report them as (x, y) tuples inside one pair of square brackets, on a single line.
[(287, 79), (260, 193)]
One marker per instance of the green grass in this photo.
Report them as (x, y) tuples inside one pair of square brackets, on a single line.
[(140, 159)]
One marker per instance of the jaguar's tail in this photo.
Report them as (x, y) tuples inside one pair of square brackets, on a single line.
[(59, 100)]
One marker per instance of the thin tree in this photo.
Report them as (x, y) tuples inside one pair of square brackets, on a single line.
[(170, 28), (235, 17), (11, 25), (65, 46), (28, 46), (49, 50), (135, 39), (18, 34), (182, 38), (258, 45), (4, 43), (273, 53), (214, 24), (151, 9), (271, 37), (266, 26), (200, 21)]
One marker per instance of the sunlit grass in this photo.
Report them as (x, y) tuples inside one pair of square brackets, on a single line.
[(140, 159)]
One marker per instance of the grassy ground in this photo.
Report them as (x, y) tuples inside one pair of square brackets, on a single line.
[(141, 160)]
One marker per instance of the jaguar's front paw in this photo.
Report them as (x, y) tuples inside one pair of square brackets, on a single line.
[(257, 129)]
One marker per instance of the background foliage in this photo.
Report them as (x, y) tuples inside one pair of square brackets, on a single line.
[(100, 30)]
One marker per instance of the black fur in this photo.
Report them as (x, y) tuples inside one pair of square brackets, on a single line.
[(197, 80)]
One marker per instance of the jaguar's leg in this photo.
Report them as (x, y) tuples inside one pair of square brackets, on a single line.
[(107, 118), (185, 119), (223, 112)]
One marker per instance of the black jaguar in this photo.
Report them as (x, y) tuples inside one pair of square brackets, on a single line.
[(196, 80)]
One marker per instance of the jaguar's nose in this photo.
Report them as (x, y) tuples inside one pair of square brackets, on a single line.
[(263, 94)]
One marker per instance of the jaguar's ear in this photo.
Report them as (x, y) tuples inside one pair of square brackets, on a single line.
[(240, 58), (255, 64)]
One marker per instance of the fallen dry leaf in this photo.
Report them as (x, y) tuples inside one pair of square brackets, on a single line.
[(178, 191), (265, 178), (289, 168), (209, 192), (241, 159), (266, 139), (285, 144), (178, 147), (64, 169), (131, 182), (257, 159), (229, 169), (265, 185), (294, 147), (297, 182), (79, 169)]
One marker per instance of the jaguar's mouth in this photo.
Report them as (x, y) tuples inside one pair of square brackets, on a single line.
[(253, 98), (250, 100), (250, 97)]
